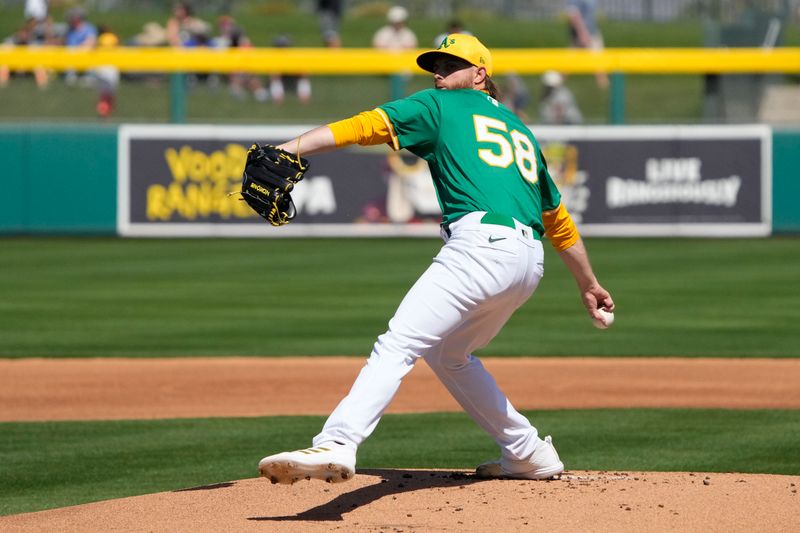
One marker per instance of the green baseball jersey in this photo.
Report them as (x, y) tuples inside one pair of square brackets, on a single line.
[(481, 156)]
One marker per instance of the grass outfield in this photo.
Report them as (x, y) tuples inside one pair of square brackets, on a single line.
[(335, 97), (48, 465), (117, 297)]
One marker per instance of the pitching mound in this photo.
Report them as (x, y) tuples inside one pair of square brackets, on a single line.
[(436, 500)]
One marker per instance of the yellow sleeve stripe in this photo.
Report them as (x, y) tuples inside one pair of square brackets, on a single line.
[(343, 132), (389, 127), (367, 128), (560, 228)]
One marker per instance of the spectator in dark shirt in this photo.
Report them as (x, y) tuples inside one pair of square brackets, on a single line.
[(584, 32), (330, 16)]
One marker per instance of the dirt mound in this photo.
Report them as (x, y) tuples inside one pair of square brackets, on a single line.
[(436, 500)]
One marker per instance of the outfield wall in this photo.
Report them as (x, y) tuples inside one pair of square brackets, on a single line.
[(786, 181), (64, 179), (58, 179)]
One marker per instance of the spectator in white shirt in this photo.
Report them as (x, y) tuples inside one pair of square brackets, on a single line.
[(395, 35)]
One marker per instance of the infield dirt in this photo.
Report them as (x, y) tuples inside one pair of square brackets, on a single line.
[(113, 389)]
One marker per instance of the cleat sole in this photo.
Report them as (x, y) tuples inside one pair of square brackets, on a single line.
[(288, 473)]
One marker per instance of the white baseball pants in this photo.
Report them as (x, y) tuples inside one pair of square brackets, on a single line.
[(482, 274)]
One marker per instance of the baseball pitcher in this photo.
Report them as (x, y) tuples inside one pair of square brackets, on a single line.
[(497, 200)]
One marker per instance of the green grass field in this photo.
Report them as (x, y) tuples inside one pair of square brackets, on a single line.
[(47, 465), (92, 297)]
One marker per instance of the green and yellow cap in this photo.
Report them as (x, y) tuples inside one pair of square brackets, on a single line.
[(462, 46)]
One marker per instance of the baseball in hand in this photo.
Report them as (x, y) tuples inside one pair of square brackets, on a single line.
[(608, 319)]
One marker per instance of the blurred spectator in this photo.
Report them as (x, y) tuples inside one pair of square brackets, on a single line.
[(107, 76), (29, 34), (584, 31), (80, 34), (278, 82), (454, 26), (557, 105), (35, 9), (42, 30), (152, 34), (229, 34), (186, 30), (330, 15), (515, 95), (239, 83), (395, 35)]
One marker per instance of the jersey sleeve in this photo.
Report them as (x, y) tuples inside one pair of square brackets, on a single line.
[(560, 228), (366, 128), (414, 120)]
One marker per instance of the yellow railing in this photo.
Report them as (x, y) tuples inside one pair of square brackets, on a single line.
[(353, 61)]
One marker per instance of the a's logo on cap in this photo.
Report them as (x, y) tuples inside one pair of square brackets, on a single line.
[(482, 60), (446, 42)]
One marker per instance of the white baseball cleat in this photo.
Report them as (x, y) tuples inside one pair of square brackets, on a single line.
[(544, 464), (330, 462)]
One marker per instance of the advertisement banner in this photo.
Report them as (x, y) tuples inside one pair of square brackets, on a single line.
[(663, 181), (184, 180), (627, 181)]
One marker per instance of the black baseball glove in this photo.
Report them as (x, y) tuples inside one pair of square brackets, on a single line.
[(270, 174)]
